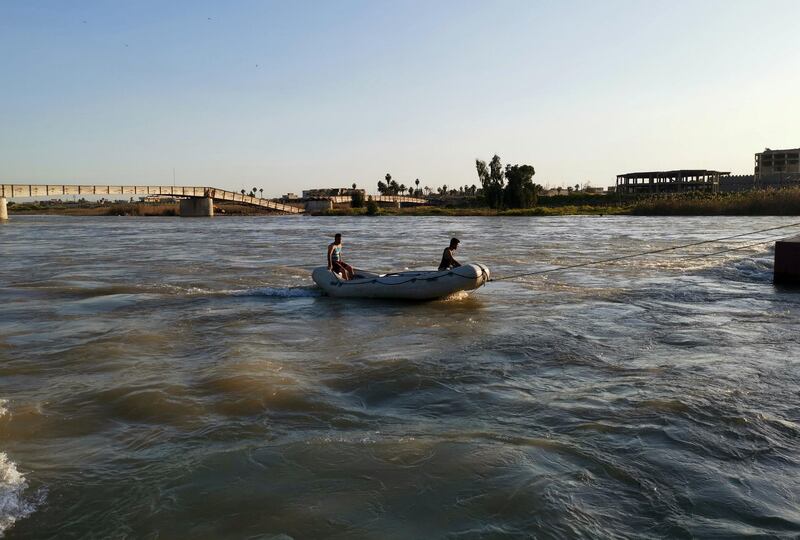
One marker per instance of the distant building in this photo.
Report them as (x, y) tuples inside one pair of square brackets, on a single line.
[(290, 197), (677, 181), (772, 162)]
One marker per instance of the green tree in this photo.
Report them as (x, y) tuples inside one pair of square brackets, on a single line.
[(493, 181), (520, 191), (356, 198), (372, 207)]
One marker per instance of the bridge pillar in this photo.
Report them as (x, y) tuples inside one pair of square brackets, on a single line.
[(197, 207), (3, 208), (319, 205)]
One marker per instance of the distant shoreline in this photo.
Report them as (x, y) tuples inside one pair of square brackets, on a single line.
[(783, 202)]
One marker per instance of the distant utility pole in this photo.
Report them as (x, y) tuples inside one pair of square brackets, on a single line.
[(173, 176)]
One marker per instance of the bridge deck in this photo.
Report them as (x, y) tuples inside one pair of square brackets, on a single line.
[(382, 198), (50, 190)]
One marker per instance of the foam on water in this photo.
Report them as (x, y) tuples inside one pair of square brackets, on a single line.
[(13, 504)]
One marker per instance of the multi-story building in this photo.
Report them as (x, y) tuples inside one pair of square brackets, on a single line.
[(780, 163)]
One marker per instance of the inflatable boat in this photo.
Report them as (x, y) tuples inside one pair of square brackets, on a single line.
[(413, 285)]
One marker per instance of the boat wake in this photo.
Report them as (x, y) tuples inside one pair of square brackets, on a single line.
[(13, 503), (281, 292)]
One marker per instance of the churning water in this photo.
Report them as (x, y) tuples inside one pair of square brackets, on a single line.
[(180, 378)]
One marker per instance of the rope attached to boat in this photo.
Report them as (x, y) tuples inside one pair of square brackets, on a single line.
[(652, 252)]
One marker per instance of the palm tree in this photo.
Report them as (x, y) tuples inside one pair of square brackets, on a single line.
[(262, 192), (243, 192), (417, 183)]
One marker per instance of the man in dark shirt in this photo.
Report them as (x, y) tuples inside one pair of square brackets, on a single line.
[(448, 261)]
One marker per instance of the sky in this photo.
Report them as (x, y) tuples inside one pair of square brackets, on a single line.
[(292, 95)]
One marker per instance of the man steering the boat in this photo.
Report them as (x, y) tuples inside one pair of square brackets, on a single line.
[(448, 261), (335, 261)]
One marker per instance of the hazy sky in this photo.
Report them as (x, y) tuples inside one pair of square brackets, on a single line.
[(291, 95)]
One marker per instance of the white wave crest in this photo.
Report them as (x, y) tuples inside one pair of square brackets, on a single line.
[(13, 504)]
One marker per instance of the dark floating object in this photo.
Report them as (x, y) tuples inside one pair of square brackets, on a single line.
[(787, 262)]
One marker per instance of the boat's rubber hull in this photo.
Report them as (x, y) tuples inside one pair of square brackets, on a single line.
[(404, 285)]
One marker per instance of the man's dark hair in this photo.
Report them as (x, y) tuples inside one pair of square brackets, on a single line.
[(454, 242), (337, 236)]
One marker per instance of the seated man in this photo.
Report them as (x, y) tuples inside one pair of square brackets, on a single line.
[(335, 261), (448, 261)]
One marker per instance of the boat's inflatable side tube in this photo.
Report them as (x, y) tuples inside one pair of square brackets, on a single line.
[(404, 285)]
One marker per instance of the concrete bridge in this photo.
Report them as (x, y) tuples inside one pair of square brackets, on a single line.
[(383, 198), (196, 201), (326, 203)]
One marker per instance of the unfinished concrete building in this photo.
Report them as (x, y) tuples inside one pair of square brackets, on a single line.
[(678, 181), (777, 166)]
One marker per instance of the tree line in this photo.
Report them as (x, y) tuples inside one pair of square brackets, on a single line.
[(511, 186)]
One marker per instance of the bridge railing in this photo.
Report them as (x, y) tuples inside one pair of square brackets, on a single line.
[(55, 190), (381, 198)]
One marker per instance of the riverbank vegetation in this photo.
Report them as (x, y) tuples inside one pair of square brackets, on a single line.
[(770, 202), (783, 202)]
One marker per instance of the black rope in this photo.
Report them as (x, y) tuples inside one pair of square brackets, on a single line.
[(653, 252), (737, 248)]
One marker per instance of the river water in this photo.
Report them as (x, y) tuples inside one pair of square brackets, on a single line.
[(182, 378)]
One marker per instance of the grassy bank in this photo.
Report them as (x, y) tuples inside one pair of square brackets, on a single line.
[(454, 211), (783, 202), (117, 209)]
